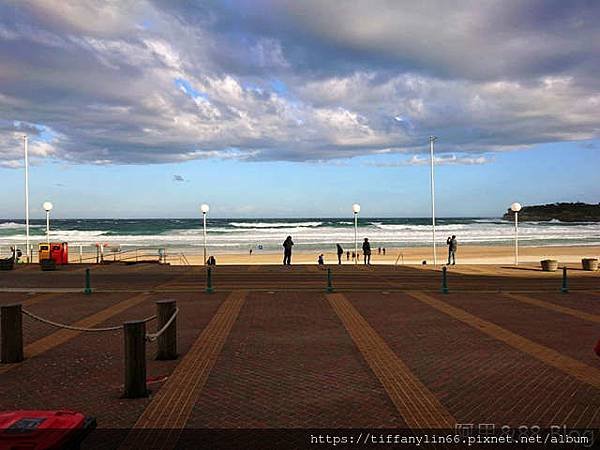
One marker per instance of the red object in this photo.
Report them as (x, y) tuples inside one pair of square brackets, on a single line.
[(43, 430), (59, 252), (597, 348)]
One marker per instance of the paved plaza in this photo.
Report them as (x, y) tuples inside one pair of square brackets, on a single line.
[(273, 348)]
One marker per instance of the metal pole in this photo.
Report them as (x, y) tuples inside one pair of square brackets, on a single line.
[(28, 250), (516, 238), (204, 216), (432, 139), (48, 227), (355, 238)]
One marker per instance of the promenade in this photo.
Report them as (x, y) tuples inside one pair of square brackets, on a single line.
[(271, 347)]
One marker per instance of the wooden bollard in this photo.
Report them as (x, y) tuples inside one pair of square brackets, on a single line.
[(11, 340), (167, 342), (134, 335)]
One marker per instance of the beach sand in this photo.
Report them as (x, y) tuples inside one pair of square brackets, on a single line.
[(466, 254)]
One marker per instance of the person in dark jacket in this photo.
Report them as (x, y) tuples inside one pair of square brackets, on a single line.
[(340, 252), (287, 251), (452, 245), (367, 251), (321, 260)]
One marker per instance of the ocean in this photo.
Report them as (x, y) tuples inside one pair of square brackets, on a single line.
[(239, 235)]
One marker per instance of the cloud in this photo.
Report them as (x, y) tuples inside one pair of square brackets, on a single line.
[(451, 159), (178, 178), (157, 82)]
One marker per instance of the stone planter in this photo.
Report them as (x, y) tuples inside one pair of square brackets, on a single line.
[(549, 265), (589, 264)]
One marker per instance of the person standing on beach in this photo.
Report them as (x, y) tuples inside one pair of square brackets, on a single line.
[(452, 245), (287, 251), (367, 251), (340, 252)]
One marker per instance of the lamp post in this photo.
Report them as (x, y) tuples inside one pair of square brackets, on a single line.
[(204, 208), (356, 210), (27, 244), (432, 139), (47, 207), (516, 207)]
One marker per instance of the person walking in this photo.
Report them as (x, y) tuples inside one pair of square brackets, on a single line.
[(348, 255), (452, 245), (321, 260), (340, 252), (367, 251), (287, 251)]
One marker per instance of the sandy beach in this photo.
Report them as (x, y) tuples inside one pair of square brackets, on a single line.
[(466, 254)]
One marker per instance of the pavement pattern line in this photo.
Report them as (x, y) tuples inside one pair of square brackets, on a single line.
[(419, 407), (37, 298), (554, 307), (581, 371), (63, 335), (170, 409)]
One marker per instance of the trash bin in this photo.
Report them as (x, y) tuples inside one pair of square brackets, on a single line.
[(43, 252), (44, 430), (55, 251), (59, 252)]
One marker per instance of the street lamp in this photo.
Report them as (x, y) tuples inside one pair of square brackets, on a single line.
[(432, 139), (27, 245), (516, 207), (204, 208), (356, 210), (47, 207)]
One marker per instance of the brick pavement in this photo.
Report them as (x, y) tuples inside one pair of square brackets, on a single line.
[(417, 405), (566, 364), (571, 336), (293, 357), (476, 377), (288, 363), (171, 407)]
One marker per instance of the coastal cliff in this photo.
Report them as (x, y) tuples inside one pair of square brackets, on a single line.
[(565, 212)]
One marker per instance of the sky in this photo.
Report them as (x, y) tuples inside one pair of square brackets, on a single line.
[(267, 108)]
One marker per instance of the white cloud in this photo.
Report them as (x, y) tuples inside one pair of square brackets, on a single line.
[(362, 81)]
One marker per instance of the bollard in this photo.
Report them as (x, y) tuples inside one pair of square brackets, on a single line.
[(565, 287), (88, 283), (11, 331), (444, 280), (167, 342), (134, 336), (209, 288), (329, 283)]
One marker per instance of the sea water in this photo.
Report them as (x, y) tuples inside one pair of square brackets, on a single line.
[(240, 235)]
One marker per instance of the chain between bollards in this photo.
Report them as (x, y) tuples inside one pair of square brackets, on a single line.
[(565, 287), (88, 284), (444, 280), (329, 280), (209, 288)]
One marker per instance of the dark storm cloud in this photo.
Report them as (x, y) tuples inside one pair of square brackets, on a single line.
[(154, 82)]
